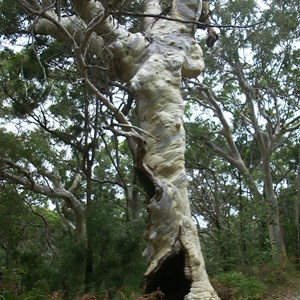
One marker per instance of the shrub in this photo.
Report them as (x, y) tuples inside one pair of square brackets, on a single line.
[(243, 287)]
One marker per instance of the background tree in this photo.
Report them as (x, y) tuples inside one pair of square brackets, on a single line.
[(256, 104)]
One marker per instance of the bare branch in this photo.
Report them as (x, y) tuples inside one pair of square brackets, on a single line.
[(136, 128), (54, 192), (226, 131), (289, 127), (159, 16), (75, 183), (107, 182), (221, 152), (248, 91)]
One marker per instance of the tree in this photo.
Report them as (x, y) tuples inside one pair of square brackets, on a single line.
[(232, 235), (259, 97), (149, 65)]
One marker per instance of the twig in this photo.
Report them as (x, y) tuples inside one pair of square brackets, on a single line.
[(127, 13), (136, 128)]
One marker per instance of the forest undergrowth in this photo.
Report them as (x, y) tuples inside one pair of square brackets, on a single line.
[(264, 282)]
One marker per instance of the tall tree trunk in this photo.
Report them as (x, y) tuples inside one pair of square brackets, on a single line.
[(242, 221), (275, 231), (176, 265), (297, 214), (88, 162), (89, 240)]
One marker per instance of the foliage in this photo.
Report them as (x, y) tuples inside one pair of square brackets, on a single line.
[(246, 288)]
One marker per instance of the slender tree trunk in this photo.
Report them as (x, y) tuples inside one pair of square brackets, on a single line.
[(297, 214), (89, 240), (275, 231), (88, 162), (134, 203), (242, 221), (222, 237)]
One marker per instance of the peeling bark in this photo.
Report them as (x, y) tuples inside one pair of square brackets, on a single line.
[(176, 265)]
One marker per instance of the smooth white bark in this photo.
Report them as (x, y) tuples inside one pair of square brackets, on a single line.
[(172, 54)]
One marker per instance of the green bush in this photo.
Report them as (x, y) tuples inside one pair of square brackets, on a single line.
[(244, 288)]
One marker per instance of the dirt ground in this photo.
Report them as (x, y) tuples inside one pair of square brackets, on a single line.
[(290, 292), (284, 294)]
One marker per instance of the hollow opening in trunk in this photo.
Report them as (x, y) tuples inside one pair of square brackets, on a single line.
[(146, 182), (170, 278)]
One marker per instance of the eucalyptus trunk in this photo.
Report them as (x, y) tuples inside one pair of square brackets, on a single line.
[(273, 218), (176, 265)]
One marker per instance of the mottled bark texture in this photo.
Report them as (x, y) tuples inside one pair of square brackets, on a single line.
[(176, 265), (153, 64)]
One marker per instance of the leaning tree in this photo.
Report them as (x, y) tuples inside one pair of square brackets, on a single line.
[(149, 64)]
